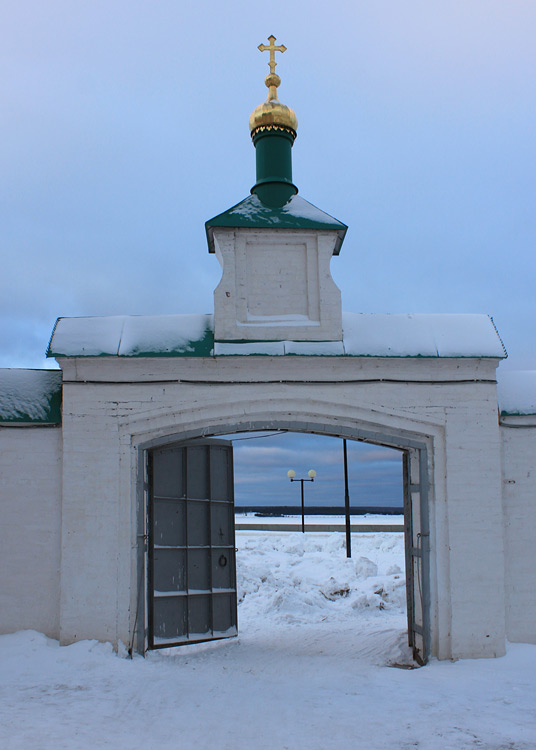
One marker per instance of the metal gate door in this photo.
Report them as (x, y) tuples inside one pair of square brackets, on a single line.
[(191, 545), (417, 552)]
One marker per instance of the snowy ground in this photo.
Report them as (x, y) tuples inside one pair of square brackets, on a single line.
[(367, 518), (309, 670)]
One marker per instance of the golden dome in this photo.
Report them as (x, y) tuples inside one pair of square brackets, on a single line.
[(271, 114)]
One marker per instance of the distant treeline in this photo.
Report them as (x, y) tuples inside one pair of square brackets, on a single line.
[(317, 510)]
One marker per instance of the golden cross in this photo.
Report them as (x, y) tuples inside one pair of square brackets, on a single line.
[(272, 49)]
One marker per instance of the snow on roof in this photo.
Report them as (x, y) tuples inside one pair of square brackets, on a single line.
[(364, 335), (132, 336), (280, 348), (420, 335), (30, 396), (296, 206), (161, 334), (517, 392), (297, 213), (389, 335)]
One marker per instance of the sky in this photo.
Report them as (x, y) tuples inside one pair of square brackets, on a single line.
[(262, 460), (124, 127)]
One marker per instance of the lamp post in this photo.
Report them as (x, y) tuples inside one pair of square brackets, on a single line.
[(347, 502), (292, 476)]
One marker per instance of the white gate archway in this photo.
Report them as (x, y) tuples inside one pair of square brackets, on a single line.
[(416, 469)]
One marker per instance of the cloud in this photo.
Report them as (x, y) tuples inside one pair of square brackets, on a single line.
[(261, 465)]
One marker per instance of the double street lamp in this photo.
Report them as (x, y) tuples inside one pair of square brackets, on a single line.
[(311, 474)]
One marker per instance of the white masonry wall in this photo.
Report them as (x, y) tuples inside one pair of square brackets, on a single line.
[(276, 282), (519, 481), (30, 517), (114, 407)]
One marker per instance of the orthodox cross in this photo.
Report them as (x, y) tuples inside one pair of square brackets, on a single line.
[(272, 49)]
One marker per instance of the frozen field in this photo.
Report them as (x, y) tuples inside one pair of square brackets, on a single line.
[(367, 518), (309, 670)]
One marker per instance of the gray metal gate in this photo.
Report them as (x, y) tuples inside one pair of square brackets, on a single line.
[(417, 547), (191, 544)]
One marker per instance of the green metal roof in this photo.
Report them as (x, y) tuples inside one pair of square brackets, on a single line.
[(133, 336), (30, 396), (297, 213), (364, 335)]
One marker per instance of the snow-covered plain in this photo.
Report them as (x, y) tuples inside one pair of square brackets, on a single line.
[(309, 670), (372, 519)]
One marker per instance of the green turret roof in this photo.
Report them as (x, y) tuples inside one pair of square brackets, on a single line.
[(296, 213)]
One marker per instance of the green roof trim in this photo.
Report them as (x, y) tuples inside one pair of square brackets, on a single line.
[(518, 413), (296, 213), (30, 396)]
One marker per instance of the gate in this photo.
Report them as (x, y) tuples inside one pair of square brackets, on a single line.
[(416, 530), (191, 545)]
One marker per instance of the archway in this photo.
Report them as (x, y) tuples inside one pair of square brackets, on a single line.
[(416, 511)]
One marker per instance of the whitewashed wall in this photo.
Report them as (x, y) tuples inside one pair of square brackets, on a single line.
[(276, 282), (519, 482), (113, 407), (30, 517)]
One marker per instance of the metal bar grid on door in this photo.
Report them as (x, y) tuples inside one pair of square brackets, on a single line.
[(190, 598)]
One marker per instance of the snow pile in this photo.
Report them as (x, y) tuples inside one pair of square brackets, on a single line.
[(27, 393), (307, 672), (517, 392), (297, 578)]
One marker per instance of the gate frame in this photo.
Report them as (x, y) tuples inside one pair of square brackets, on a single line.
[(420, 445)]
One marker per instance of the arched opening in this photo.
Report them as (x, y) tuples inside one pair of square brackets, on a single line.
[(416, 527)]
